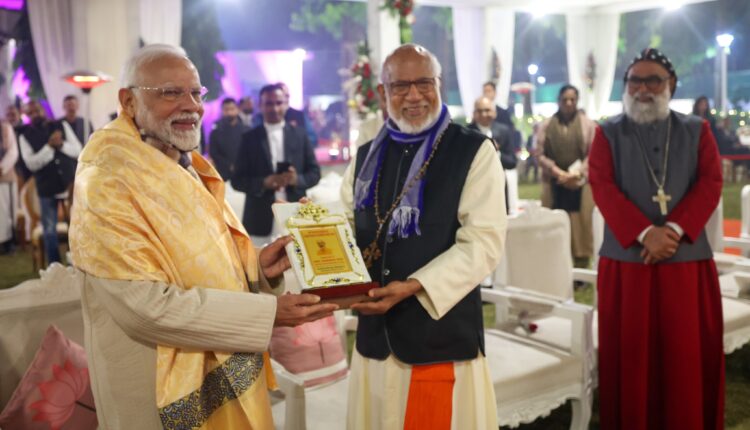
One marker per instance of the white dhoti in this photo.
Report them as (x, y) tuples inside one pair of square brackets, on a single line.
[(378, 393)]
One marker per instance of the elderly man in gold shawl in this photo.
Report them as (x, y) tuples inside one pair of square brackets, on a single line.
[(175, 328)]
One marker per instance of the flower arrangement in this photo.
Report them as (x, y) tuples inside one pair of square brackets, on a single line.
[(363, 84), (403, 9)]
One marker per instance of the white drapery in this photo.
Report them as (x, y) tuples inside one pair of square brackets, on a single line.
[(99, 36), (383, 35), (161, 21), (476, 32), (52, 26), (471, 54), (595, 34), (501, 26), (6, 71)]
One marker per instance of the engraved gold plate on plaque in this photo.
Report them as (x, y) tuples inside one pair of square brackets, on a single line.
[(323, 253)]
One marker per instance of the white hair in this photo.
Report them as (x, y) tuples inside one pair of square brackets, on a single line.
[(131, 70), (437, 69)]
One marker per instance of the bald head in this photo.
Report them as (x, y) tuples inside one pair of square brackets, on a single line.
[(484, 111), (410, 55), (411, 88)]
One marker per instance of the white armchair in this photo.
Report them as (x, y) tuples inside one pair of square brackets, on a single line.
[(26, 311), (535, 372), (726, 263)]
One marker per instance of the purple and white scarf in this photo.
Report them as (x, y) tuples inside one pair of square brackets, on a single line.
[(405, 218)]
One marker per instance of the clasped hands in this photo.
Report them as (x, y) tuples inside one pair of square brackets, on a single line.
[(571, 181), (55, 139), (278, 181), (659, 244)]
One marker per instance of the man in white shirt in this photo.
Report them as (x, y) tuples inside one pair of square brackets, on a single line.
[(49, 150), (275, 162)]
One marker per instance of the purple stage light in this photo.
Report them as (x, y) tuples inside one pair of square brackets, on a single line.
[(11, 4), (21, 84)]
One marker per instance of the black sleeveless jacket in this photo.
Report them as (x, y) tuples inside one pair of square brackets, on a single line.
[(407, 330), (58, 174)]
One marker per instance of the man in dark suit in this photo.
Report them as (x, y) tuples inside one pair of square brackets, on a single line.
[(502, 116), (484, 123), (226, 137), (293, 117), (275, 162)]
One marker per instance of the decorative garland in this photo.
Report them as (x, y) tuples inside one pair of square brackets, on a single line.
[(590, 71), (403, 9), (363, 84)]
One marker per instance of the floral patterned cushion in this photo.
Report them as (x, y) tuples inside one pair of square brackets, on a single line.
[(55, 392), (312, 351)]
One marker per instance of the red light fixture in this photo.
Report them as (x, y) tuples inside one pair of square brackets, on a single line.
[(86, 80)]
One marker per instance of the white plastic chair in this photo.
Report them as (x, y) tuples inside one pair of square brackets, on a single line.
[(726, 263), (534, 373)]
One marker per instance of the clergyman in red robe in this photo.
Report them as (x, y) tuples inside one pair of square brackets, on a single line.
[(656, 177)]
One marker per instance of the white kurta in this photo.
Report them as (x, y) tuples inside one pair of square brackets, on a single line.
[(125, 320), (378, 390)]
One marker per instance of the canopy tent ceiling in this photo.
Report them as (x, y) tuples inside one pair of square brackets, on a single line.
[(563, 6)]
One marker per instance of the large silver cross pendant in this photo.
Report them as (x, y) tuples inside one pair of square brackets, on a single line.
[(662, 198)]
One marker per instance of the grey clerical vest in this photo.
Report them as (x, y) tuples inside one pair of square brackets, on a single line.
[(634, 180)]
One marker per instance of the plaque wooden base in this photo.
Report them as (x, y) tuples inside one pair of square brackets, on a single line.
[(345, 295)]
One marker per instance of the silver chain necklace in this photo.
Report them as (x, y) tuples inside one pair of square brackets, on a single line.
[(661, 198)]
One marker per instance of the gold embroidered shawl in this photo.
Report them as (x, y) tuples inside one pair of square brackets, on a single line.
[(138, 215)]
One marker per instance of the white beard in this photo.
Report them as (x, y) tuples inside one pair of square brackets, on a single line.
[(408, 128), (184, 141), (645, 113)]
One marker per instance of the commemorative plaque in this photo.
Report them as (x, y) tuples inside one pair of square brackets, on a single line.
[(323, 253)]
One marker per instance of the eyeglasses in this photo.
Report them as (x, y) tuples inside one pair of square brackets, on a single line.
[(652, 82), (402, 88), (172, 94)]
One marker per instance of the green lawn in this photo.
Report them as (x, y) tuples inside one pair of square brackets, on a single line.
[(15, 268)]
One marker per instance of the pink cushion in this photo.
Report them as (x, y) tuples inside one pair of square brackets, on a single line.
[(55, 392), (313, 347)]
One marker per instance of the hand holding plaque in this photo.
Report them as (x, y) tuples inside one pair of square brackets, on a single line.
[(323, 253)]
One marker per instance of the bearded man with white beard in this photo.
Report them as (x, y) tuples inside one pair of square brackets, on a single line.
[(656, 177), (426, 197), (175, 332)]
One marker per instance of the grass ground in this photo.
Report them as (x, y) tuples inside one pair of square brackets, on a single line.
[(17, 267)]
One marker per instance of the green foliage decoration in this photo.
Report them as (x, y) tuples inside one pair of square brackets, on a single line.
[(316, 15)]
